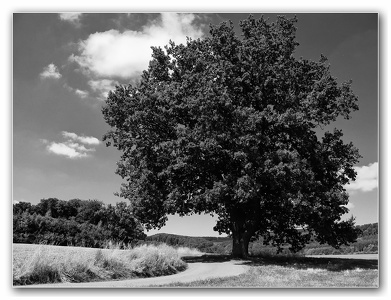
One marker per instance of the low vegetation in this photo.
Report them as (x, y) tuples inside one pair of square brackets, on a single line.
[(185, 251), (38, 264), (286, 277), (284, 271)]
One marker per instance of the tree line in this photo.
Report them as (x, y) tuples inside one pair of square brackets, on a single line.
[(91, 223), (86, 223), (367, 242)]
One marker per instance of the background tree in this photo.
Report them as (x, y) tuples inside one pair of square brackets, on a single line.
[(120, 222), (76, 222), (231, 126)]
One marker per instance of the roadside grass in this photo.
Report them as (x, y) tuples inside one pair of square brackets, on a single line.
[(38, 264), (285, 277), (185, 251), (296, 272)]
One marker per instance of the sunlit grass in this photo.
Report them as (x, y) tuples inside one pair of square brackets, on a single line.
[(33, 264), (185, 251), (286, 277), (297, 272)]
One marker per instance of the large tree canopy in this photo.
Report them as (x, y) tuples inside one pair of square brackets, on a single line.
[(229, 125)]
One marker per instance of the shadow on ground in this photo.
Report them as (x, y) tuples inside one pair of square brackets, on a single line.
[(207, 258), (330, 264)]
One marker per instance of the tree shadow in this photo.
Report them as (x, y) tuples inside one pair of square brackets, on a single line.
[(207, 258), (296, 262), (326, 263)]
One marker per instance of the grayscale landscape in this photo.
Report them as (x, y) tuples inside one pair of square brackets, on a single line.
[(195, 150)]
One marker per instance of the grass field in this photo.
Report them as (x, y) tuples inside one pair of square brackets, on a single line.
[(34, 264), (297, 272), (286, 277)]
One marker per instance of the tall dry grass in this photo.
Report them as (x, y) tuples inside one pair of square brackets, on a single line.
[(186, 251), (50, 264)]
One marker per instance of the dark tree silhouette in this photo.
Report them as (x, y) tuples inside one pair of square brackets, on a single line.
[(227, 125)]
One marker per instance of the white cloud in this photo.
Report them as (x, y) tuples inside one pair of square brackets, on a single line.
[(66, 150), (366, 179), (79, 147), (71, 135), (71, 17), (50, 71), (90, 140), (72, 148), (81, 94), (102, 87), (126, 54), (349, 206)]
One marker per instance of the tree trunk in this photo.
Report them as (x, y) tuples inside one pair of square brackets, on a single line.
[(241, 239)]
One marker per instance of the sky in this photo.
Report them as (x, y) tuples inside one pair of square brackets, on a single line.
[(63, 65)]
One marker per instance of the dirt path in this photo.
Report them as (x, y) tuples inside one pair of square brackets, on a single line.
[(195, 271)]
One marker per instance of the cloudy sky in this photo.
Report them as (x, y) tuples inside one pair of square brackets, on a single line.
[(64, 65)]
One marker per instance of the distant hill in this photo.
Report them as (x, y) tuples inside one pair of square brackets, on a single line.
[(204, 244), (369, 229), (367, 242)]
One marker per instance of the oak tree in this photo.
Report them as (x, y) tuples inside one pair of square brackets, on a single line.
[(231, 126)]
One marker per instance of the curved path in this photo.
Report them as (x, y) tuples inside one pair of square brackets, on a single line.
[(195, 271)]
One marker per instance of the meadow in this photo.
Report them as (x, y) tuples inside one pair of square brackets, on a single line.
[(287, 277), (40, 264), (37, 264), (294, 272)]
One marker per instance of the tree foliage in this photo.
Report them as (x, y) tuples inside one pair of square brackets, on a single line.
[(229, 125)]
